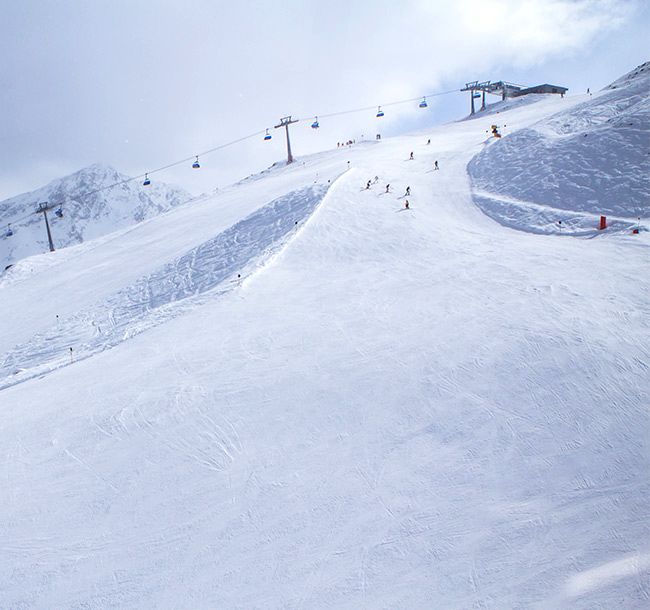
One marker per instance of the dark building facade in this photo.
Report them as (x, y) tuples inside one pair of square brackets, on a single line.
[(546, 88)]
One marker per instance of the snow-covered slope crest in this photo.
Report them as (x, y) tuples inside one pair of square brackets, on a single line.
[(220, 264), (87, 211), (579, 164), (640, 72)]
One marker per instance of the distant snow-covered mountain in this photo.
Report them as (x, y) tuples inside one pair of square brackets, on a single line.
[(89, 208), (588, 160)]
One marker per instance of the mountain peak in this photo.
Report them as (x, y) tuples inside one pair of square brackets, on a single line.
[(97, 173), (89, 205)]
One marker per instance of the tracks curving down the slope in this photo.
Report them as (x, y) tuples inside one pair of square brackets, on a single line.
[(215, 266)]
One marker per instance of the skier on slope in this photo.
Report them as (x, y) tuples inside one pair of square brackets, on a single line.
[(408, 192), (411, 157), (387, 188), (406, 205), (435, 165), (368, 185)]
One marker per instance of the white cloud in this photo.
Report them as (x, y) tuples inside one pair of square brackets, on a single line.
[(188, 76), (519, 32)]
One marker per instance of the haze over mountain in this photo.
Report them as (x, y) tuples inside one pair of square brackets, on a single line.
[(89, 208)]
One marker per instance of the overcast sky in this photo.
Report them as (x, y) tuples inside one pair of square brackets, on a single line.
[(138, 84)]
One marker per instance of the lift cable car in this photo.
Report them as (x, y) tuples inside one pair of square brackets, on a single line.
[(380, 112), (196, 165), (268, 136), (315, 124), (9, 232), (423, 103), (146, 182), (476, 95), (59, 212)]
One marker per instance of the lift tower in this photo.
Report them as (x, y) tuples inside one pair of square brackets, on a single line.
[(285, 122), (42, 209), (475, 88)]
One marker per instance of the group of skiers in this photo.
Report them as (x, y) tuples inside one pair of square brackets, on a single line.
[(407, 192)]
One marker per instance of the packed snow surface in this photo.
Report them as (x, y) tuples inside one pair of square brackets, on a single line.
[(142, 304), (590, 159), (390, 408)]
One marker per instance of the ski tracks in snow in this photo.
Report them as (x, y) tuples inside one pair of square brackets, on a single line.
[(186, 426), (216, 266)]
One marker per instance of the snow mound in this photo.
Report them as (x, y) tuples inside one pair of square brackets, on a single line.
[(222, 262), (588, 161), (90, 210)]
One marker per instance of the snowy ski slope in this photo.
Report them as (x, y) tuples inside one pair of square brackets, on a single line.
[(394, 409), (145, 302), (590, 159)]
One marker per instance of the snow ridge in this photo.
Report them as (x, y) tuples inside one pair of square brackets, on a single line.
[(153, 299), (578, 164)]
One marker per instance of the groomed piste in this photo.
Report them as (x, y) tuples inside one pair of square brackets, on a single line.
[(297, 393)]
